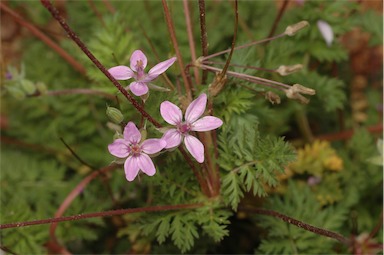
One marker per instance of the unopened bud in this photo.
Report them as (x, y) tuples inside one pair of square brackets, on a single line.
[(285, 70), (293, 29), (304, 90), (41, 87), (114, 115), (294, 93), (272, 97), (28, 87)]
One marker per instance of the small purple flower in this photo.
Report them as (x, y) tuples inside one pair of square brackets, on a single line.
[(326, 31), (138, 62), (136, 153), (174, 137)]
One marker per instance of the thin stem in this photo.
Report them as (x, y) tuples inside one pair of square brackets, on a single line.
[(243, 46), (48, 5), (171, 30), (109, 6), (299, 224), (103, 214), (98, 14), (191, 41), (73, 194), (203, 36), (241, 66), (198, 175), (75, 154), (48, 41), (346, 134), (278, 18), (223, 72), (266, 82), (303, 123)]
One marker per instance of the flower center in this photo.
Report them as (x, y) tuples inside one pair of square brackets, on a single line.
[(184, 128), (135, 149), (139, 69)]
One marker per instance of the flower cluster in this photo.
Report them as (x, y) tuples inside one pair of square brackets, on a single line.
[(131, 146), (137, 152)]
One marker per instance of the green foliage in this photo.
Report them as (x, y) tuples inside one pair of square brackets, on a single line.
[(38, 171), (250, 161), (283, 238)]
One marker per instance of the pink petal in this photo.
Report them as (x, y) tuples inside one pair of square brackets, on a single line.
[(146, 165), (136, 57), (196, 108), (170, 113), (160, 68), (121, 72), (152, 146), (119, 148), (326, 31), (172, 137), (195, 147), (138, 88), (206, 123), (131, 168), (131, 133)]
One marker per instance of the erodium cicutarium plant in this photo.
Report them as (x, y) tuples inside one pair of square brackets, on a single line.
[(193, 134)]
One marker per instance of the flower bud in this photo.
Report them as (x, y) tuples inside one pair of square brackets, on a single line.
[(28, 87), (304, 90), (293, 29), (114, 115), (41, 87), (272, 97), (285, 70)]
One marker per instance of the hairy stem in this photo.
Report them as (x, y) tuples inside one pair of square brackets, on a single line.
[(191, 42), (299, 224), (278, 18), (48, 41), (110, 213), (172, 33), (48, 5), (203, 36), (73, 194)]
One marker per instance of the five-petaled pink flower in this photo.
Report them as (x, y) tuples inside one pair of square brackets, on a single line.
[(172, 115), (138, 62), (136, 152)]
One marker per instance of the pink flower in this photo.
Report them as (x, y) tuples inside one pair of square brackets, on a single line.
[(136, 153), (138, 62), (174, 137)]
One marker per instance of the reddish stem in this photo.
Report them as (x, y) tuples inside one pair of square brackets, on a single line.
[(48, 5), (278, 18), (171, 30), (348, 133), (72, 195), (190, 38), (157, 208), (299, 224), (48, 41), (203, 37)]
